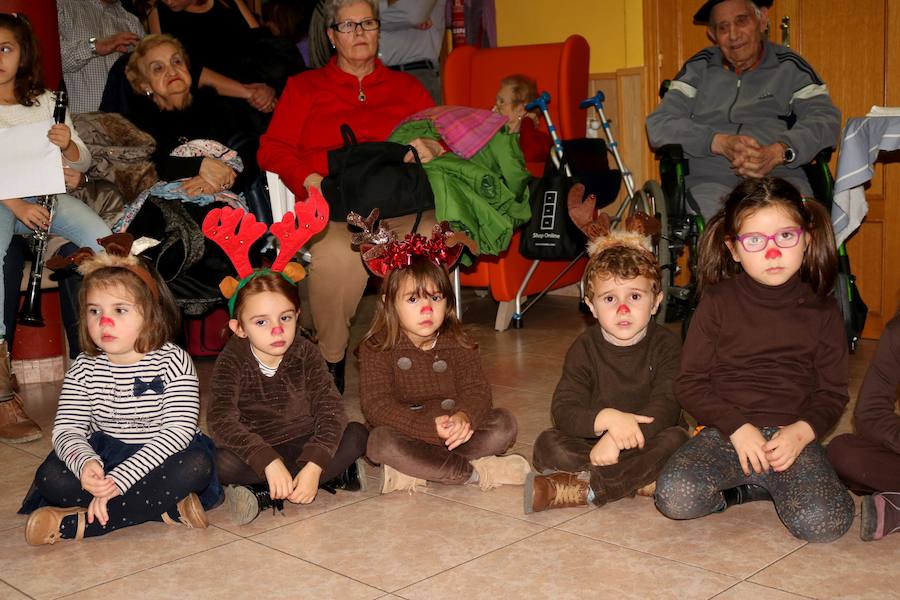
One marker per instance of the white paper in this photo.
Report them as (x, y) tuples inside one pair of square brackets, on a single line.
[(30, 164), (884, 111)]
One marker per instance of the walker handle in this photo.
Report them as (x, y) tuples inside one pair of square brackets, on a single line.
[(596, 100)]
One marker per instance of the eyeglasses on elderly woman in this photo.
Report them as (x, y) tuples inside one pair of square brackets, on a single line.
[(353, 26)]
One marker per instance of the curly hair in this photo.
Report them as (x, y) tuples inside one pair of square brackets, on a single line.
[(621, 261), (133, 72), (29, 82)]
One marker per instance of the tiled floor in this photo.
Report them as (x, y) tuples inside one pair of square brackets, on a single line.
[(449, 542)]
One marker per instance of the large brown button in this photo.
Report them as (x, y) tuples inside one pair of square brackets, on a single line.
[(448, 404), (404, 363), (439, 366)]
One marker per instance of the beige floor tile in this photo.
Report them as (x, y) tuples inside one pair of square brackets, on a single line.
[(268, 520), (531, 408), (241, 569), (397, 539), (751, 591), (10, 593), (67, 567), (15, 478), (506, 500), (739, 542), (556, 564), (523, 371), (847, 568)]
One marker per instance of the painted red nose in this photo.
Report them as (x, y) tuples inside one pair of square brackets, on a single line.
[(622, 310), (773, 253), (106, 321), (277, 330)]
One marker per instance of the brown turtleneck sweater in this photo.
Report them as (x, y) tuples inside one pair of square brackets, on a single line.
[(408, 399), (635, 379), (249, 412), (876, 409), (769, 356)]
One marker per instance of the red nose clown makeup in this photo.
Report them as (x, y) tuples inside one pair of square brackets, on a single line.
[(773, 253), (623, 310), (106, 321)]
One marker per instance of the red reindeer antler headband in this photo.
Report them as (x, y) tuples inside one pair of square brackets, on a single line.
[(235, 232), (382, 252)]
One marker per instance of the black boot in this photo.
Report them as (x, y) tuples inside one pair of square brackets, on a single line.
[(353, 479), (245, 502), (337, 371), (745, 493)]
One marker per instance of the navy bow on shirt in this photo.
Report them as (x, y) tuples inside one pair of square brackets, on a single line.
[(142, 387)]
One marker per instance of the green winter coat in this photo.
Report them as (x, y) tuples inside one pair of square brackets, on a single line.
[(486, 196)]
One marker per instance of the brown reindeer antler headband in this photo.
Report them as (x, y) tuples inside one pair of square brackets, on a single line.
[(638, 230), (118, 254), (235, 232)]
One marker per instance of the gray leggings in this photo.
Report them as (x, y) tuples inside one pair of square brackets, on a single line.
[(810, 499)]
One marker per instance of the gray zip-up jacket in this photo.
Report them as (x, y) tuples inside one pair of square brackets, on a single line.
[(781, 100)]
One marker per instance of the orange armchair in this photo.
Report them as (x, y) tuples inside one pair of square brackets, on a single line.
[(471, 77)]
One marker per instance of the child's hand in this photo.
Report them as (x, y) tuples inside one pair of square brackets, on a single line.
[(60, 135), (97, 509), (281, 484), (750, 446), (455, 429), (622, 426), (787, 444), (306, 484), (95, 482), (605, 452)]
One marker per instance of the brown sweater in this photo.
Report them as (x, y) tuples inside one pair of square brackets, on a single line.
[(876, 409), (635, 379), (250, 413), (408, 400), (769, 356)]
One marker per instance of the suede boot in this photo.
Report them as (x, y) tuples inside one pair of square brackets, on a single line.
[(16, 427), (337, 372), (245, 502), (394, 480), (880, 516), (44, 523), (555, 490), (353, 479), (745, 493), (494, 471)]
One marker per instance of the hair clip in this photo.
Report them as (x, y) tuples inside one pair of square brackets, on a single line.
[(121, 250), (382, 252), (235, 232), (637, 230)]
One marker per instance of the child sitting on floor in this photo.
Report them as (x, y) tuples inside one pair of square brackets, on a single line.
[(422, 389), (869, 461), (616, 421), (275, 414)]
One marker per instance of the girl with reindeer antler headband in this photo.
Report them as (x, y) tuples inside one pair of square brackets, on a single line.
[(422, 389), (276, 417), (126, 447)]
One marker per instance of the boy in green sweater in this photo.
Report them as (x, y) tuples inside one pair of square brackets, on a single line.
[(616, 421)]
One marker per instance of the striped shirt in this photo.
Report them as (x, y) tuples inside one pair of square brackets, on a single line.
[(85, 73), (154, 402)]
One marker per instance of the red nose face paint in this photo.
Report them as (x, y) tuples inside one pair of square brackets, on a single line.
[(623, 310), (277, 330), (773, 253), (106, 321)]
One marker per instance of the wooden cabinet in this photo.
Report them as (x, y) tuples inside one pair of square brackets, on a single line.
[(855, 48)]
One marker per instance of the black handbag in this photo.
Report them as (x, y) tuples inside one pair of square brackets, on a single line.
[(373, 175)]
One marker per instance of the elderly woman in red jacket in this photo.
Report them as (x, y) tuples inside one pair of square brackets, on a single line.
[(355, 88)]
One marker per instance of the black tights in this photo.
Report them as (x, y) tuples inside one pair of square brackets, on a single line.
[(157, 493)]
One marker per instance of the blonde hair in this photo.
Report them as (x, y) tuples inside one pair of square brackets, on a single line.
[(621, 262)]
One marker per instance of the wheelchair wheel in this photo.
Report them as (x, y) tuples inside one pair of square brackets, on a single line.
[(655, 203)]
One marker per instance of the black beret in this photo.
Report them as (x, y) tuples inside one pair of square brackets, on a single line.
[(702, 15)]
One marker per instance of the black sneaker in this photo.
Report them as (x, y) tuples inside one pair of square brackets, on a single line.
[(353, 479)]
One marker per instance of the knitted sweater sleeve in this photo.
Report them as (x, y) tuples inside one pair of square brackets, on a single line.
[(281, 149), (382, 405), (73, 418), (181, 409), (693, 386), (827, 401), (572, 410), (223, 414), (876, 408), (326, 406), (472, 386)]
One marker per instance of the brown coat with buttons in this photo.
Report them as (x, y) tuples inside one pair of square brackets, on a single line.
[(407, 395)]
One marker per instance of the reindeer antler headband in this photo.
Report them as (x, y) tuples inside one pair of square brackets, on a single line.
[(235, 231), (637, 231), (382, 252), (119, 247)]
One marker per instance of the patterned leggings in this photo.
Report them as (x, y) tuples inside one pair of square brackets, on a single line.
[(810, 499)]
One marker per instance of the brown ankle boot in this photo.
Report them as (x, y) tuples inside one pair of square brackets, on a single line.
[(44, 523), (192, 513), (556, 490), (15, 426), (393, 480), (494, 471)]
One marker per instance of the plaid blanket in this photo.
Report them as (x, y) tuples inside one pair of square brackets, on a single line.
[(465, 130)]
